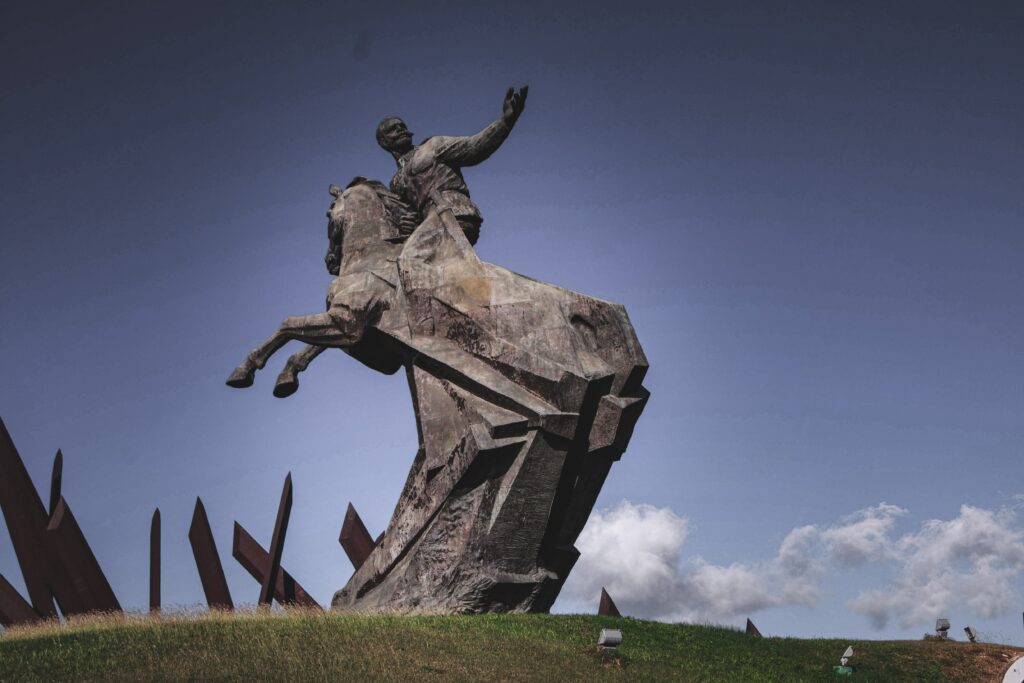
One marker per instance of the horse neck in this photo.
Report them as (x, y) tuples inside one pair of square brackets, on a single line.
[(366, 225)]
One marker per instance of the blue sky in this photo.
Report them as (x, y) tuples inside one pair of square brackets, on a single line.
[(812, 214)]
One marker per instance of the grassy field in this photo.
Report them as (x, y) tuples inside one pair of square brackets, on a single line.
[(298, 646)]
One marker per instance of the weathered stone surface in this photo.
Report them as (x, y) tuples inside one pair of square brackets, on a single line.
[(524, 393)]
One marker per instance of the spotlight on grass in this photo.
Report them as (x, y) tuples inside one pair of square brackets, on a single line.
[(610, 638), (843, 669), (972, 635)]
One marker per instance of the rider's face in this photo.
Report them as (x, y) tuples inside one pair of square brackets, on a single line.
[(397, 136)]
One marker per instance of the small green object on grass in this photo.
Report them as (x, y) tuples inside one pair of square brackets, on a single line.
[(843, 670)]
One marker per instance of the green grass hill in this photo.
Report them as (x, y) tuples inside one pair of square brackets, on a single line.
[(298, 646)]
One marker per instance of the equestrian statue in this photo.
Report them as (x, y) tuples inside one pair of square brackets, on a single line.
[(524, 393)]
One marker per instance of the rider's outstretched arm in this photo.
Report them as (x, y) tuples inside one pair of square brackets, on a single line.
[(472, 149), (469, 150)]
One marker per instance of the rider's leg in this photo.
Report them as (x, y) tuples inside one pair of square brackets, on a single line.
[(471, 227)]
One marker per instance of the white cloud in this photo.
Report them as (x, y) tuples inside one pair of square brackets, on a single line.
[(632, 550), (636, 552), (974, 559), (864, 537)]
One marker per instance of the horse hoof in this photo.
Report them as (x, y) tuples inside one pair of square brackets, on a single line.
[(286, 386), (242, 377)]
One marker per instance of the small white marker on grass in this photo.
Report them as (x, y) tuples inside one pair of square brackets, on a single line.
[(842, 669), (610, 638)]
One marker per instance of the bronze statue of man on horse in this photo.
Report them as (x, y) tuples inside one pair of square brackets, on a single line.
[(525, 393), (425, 171)]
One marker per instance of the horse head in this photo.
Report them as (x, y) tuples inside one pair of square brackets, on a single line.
[(367, 217)]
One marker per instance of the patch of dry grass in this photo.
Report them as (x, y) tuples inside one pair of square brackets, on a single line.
[(299, 645)]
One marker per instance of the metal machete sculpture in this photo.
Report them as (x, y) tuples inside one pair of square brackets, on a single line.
[(524, 393)]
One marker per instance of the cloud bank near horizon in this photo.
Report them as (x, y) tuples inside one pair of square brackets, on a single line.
[(971, 562)]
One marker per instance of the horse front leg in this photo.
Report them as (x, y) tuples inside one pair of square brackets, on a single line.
[(288, 381), (319, 329)]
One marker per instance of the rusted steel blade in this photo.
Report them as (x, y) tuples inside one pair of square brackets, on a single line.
[(607, 606), (79, 562), (26, 522), (55, 480), (355, 539), (211, 573), (251, 555), (284, 512), (154, 562), (752, 630), (14, 609)]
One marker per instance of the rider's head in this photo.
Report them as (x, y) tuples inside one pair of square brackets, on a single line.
[(394, 136)]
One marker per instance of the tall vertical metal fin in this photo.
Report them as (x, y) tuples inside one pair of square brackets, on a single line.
[(79, 561), (14, 609), (55, 480), (211, 573), (154, 562), (284, 511), (607, 606), (26, 522), (251, 555), (355, 539)]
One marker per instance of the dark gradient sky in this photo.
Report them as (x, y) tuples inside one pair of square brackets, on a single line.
[(813, 214)]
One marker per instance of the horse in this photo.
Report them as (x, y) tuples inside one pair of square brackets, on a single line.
[(365, 232), (525, 394)]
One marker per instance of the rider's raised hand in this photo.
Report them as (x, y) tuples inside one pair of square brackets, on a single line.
[(514, 104)]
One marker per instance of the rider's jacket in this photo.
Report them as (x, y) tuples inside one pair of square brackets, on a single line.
[(434, 166)]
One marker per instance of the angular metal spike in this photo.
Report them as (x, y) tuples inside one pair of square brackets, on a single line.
[(55, 480), (752, 630), (607, 606), (26, 522), (154, 562), (211, 573), (355, 539), (251, 555), (284, 511), (14, 609), (79, 562)]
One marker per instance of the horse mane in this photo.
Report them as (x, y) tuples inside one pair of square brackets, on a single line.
[(394, 205)]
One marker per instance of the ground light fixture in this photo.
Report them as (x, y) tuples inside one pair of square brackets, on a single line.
[(972, 635), (610, 638), (843, 669), (942, 628)]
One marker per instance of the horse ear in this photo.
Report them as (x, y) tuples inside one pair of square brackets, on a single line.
[(334, 191)]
